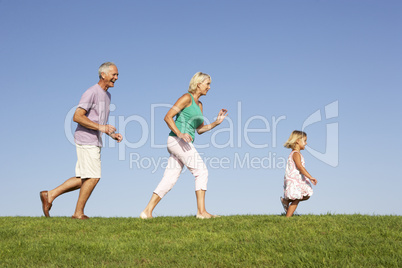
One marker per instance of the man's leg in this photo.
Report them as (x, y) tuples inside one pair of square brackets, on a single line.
[(89, 169), (69, 185), (47, 197), (88, 185)]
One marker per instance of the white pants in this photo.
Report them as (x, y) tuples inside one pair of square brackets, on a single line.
[(182, 154)]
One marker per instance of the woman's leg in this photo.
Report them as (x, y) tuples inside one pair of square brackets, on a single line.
[(201, 211), (188, 155), (197, 167), (170, 177), (147, 212)]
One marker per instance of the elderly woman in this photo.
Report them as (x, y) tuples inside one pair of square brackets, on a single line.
[(188, 112)]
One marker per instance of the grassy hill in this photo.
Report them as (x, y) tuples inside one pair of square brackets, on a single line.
[(232, 241)]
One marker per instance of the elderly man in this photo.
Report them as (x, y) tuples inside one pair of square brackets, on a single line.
[(91, 115)]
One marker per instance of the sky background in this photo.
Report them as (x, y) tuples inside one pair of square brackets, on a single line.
[(275, 66)]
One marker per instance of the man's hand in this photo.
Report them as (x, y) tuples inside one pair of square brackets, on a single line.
[(107, 129), (116, 136)]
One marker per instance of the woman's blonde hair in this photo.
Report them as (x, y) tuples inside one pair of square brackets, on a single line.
[(197, 78), (294, 137)]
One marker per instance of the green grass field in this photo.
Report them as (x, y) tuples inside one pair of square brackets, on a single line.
[(232, 241)]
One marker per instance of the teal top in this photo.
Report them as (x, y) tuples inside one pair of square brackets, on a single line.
[(188, 119)]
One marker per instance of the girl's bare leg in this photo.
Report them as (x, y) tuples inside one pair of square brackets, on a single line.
[(292, 207)]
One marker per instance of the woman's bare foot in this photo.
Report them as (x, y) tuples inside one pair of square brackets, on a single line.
[(144, 216), (206, 215)]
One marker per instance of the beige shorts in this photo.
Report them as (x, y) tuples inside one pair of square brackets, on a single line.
[(88, 162)]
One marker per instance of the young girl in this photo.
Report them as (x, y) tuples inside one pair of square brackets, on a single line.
[(296, 188)]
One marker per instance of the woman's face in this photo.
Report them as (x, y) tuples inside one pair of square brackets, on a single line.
[(205, 86)]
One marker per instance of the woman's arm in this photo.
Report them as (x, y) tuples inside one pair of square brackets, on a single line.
[(299, 166), (183, 102), (221, 116)]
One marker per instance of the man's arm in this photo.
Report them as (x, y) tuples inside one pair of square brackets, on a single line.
[(81, 118)]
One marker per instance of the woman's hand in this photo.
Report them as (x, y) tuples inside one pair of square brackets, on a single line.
[(185, 136), (221, 116)]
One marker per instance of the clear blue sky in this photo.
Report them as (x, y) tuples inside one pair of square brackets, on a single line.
[(275, 65)]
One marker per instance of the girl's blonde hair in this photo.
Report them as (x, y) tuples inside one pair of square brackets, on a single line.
[(197, 78), (294, 137)]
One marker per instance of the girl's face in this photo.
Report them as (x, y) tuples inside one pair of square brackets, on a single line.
[(302, 142)]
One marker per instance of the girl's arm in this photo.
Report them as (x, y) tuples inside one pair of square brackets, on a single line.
[(180, 104), (299, 166), (221, 116)]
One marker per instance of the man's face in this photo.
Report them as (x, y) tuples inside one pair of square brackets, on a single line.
[(111, 76)]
